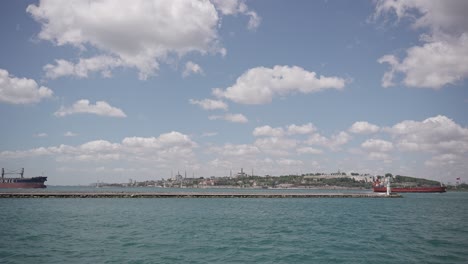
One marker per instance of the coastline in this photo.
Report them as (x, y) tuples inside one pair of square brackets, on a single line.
[(192, 195)]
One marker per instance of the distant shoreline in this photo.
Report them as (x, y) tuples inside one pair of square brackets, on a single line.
[(224, 187), (193, 195)]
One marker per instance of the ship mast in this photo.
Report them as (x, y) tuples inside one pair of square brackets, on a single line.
[(21, 172)]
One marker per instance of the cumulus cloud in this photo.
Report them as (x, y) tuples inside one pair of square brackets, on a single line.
[(167, 147), (443, 56), (241, 150), (377, 145), (39, 135), (432, 65), (234, 7), (15, 90), (301, 129), (277, 146), (309, 150), (445, 160), (268, 131), (259, 85), (102, 64), (141, 34), (234, 118), (209, 104), (70, 134), (101, 108), (192, 68), (437, 134), (363, 127), (334, 142), (381, 156), (279, 131), (161, 142), (290, 162)]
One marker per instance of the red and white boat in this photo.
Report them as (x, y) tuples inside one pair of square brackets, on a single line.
[(378, 186)]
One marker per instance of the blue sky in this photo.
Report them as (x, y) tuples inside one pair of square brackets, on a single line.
[(107, 91)]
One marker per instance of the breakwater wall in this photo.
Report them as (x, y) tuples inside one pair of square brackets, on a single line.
[(191, 195)]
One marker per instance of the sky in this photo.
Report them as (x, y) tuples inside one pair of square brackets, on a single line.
[(111, 90)]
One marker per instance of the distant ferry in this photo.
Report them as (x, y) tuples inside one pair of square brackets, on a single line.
[(380, 187), (21, 182)]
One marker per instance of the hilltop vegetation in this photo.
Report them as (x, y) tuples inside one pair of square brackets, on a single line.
[(297, 181), (414, 181), (310, 180)]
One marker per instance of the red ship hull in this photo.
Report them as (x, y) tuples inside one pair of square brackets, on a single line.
[(34, 182), (437, 189)]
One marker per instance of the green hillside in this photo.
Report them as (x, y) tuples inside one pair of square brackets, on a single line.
[(407, 180)]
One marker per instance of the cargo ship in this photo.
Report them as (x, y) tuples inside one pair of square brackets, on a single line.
[(378, 186), (21, 182)]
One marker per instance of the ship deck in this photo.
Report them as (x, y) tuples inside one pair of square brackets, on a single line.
[(191, 195)]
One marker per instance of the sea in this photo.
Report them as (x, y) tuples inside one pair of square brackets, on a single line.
[(418, 228)]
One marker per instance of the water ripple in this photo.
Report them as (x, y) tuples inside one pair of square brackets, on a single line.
[(415, 229)]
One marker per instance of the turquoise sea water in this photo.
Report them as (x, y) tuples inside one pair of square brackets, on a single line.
[(419, 228)]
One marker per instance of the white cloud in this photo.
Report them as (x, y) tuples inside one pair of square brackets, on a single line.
[(379, 156), (39, 135), (140, 34), (21, 90), (171, 139), (235, 118), (302, 129), (259, 85), (234, 7), (443, 57), (309, 150), (268, 131), (209, 104), (340, 139), (277, 146), (290, 162), (437, 134), (70, 134), (389, 76), (192, 68), (334, 142), (438, 16), (101, 108), (317, 139), (377, 145), (242, 150), (432, 65), (363, 127), (102, 64), (162, 150), (279, 131), (445, 160)]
